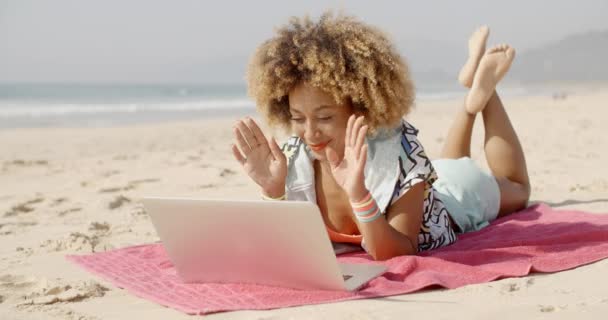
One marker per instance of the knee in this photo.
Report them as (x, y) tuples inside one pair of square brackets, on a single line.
[(522, 197), (514, 195), (526, 192)]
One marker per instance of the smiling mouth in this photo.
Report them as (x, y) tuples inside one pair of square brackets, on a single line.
[(318, 147)]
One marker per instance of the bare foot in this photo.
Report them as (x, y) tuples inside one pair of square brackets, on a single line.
[(492, 68), (477, 46)]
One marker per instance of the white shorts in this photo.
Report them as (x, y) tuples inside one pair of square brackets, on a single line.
[(471, 195)]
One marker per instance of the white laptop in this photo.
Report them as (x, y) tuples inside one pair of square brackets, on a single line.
[(280, 243)]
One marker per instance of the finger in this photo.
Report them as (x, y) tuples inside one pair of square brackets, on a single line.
[(257, 132), (355, 130), (246, 133), (275, 150), (360, 139), (241, 142), (349, 126), (362, 159), (237, 154)]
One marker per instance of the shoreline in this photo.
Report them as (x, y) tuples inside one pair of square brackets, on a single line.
[(124, 120), (113, 115)]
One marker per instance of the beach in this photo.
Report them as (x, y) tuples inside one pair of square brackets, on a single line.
[(77, 190)]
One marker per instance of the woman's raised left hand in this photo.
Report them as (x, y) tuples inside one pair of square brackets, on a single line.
[(349, 171)]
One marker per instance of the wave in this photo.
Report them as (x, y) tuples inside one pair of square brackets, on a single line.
[(40, 109)]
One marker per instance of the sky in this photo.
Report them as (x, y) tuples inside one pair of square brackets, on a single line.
[(186, 41)]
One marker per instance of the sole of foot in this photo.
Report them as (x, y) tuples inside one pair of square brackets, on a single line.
[(477, 47), (492, 68)]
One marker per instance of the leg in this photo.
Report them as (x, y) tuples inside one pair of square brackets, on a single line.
[(458, 141), (477, 47), (505, 157), (502, 148)]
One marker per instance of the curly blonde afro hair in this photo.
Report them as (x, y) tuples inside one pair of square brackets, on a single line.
[(338, 54)]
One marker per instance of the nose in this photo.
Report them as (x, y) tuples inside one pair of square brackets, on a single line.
[(312, 131)]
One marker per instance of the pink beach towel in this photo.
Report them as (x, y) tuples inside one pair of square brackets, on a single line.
[(538, 239)]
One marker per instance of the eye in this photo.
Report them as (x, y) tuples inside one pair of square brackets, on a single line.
[(325, 118), (298, 120)]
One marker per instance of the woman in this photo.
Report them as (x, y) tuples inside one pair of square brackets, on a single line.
[(342, 89)]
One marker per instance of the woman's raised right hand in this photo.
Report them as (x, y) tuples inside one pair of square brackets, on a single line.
[(261, 158)]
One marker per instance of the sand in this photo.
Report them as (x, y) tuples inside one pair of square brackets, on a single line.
[(77, 190)]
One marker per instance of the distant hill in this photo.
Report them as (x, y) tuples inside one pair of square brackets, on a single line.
[(432, 63), (435, 63), (577, 58)]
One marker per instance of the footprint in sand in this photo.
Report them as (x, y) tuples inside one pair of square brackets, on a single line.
[(58, 201), (227, 172), (14, 227), (578, 187), (26, 163), (17, 284), (123, 157), (70, 210), (544, 308), (77, 241), (59, 291), (139, 211), (118, 202), (110, 173), (24, 207), (517, 285), (530, 282), (140, 181), (116, 189), (492, 68), (27, 251), (130, 185), (14, 287), (99, 227), (477, 47), (510, 287)]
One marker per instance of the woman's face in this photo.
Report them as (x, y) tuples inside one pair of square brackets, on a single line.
[(318, 120)]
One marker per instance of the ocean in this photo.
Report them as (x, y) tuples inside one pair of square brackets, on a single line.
[(86, 105)]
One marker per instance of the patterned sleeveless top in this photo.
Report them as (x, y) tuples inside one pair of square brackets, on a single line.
[(394, 165)]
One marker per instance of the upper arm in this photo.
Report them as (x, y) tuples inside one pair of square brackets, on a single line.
[(416, 175), (405, 214)]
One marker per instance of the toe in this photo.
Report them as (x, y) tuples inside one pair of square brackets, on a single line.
[(510, 52), (494, 49)]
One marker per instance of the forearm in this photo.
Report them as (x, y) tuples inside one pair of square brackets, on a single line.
[(382, 240)]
